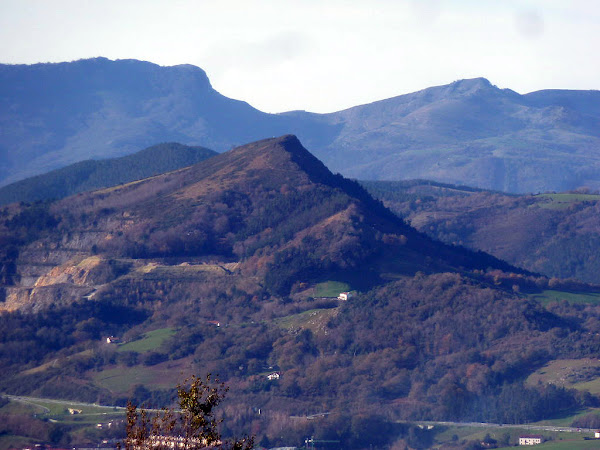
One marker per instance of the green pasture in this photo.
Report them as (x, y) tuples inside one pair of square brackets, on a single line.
[(150, 341), (121, 380), (593, 386), (568, 373), (563, 201), (550, 296), (58, 410), (566, 419), (330, 288)]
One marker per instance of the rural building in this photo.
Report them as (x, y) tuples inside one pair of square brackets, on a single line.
[(531, 439), (216, 323), (597, 434), (344, 295), (75, 411), (112, 340), (273, 376), (174, 442)]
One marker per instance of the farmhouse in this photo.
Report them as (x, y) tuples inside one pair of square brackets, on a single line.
[(344, 296), (530, 439), (273, 376), (112, 340)]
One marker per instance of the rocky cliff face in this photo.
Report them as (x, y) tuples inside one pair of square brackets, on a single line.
[(49, 282)]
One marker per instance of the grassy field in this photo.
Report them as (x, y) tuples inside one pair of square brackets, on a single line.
[(572, 373), (330, 288), (58, 411), (563, 201), (150, 341), (313, 319), (593, 386), (550, 296), (121, 380), (567, 419)]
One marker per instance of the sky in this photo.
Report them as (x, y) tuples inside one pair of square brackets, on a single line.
[(321, 55)]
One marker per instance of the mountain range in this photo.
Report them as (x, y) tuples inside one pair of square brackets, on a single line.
[(467, 132)]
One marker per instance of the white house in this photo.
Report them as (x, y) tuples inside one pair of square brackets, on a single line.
[(530, 439), (273, 376), (344, 295)]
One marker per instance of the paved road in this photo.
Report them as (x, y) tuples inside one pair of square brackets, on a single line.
[(507, 425), (66, 403), (37, 401)]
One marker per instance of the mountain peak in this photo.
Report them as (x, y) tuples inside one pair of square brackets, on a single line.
[(470, 85)]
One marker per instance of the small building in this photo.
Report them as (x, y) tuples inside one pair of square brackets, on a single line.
[(597, 434), (216, 323), (344, 296), (273, 376), (531, 439), (73, 411), (112, 340), (173, 442)]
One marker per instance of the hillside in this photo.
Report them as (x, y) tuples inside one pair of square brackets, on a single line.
[(466, 132), (553, 234), (216, 268), (92, 174), (271, 205)]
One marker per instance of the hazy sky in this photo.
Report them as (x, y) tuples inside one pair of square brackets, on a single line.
[(321, 55)]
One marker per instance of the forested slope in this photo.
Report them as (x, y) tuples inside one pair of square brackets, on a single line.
[(214, 268), (96, 174), (554, 234)]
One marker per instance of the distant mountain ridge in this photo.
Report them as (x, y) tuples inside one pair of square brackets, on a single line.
[(467, 132), (92, 174)]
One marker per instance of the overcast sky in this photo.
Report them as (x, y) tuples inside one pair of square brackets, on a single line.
[(321, 55)]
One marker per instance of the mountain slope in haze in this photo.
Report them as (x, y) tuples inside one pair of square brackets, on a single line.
[(553, 234), (53, 115), (244, 239), (92, 174), (471, 132), (467, 132)]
